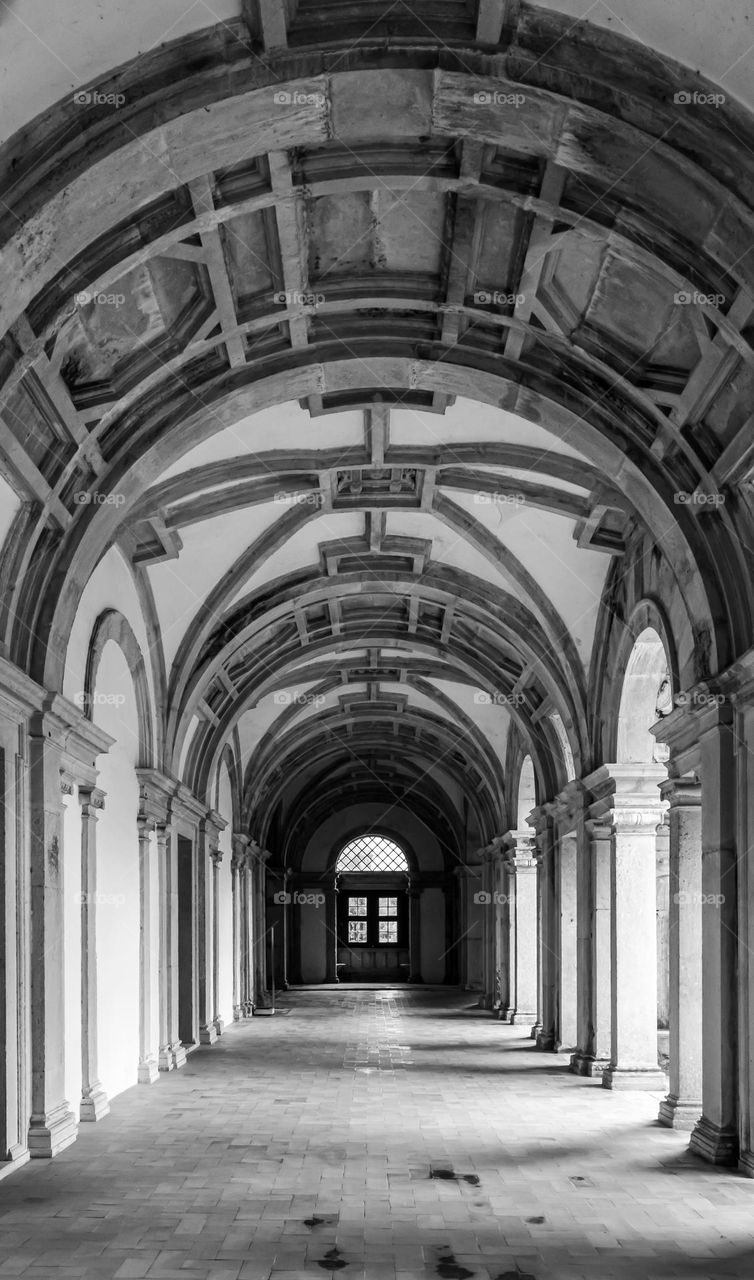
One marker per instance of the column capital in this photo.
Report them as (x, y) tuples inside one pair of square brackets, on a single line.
[(216, 856), (155, 795), (682, 792), (628, 795), (91, 798)]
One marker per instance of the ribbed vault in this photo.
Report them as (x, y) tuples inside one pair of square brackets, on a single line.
[(388, 341)]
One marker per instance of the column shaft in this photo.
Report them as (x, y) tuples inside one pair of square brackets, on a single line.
[(633, 1062), (147, 1070), (217, 1021), (716, 1134), (52, 1125), (683, 1106), (94, 1104)]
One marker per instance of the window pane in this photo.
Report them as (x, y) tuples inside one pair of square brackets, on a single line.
[(372, 853), (388, 930), (357, 930), (388, 907), (357, 906)]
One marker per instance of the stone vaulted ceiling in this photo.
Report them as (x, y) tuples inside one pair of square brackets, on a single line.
[(371, 334)]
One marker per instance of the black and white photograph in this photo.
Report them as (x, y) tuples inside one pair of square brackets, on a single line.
[(376, 639)]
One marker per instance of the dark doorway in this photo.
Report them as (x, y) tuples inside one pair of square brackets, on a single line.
[(373, 931), (186, 942)]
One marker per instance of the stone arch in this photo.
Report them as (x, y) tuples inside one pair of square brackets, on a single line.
[(527, 794), (112, 625), (647, 663)]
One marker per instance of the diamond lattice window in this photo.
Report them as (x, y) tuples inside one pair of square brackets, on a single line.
[(372, 853)]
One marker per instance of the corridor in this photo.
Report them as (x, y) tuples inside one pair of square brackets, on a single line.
[(384, 1134)]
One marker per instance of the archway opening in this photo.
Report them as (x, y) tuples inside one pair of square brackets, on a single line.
[(372, 878), (646, 697)]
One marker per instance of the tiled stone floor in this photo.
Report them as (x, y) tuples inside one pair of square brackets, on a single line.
[(303, 1146)]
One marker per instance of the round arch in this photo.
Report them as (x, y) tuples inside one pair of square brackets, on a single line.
[(112, 625)]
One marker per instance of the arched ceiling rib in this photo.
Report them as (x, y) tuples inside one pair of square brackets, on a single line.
[(368, 349)]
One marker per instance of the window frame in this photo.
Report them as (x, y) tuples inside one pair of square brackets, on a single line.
[(373, 917)]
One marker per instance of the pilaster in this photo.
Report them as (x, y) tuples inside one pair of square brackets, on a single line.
[(94, 1103), (58, 735), (630, 796)]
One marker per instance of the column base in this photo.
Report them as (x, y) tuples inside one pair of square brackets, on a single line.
[(485, 1001), (94, 1105), (586, 1064), (650, 1079), (237, 1013), (148, 1070), (745, 1164), (178, 1054), (536, 1031), (17, 1156), (546, 1041), (51, 1134), (165, 1059), (716, 1145), (521, 1017), (679, 1115), (207, 1034), (218, 1025)]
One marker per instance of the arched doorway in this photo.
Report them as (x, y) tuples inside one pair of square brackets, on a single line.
[(372, 883)]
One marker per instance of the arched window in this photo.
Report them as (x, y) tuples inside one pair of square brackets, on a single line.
[(372, 853)]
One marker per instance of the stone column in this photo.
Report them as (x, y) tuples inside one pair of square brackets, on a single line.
[(500, 929), (148, 1070), (592, 1056), (567, 958), (236, 903), (239, 844), (52, 1124), (663, 923), (683, 1106), (462, 927), (94, 1104), (637, 811), (331, 931), (484, 898), (716, 1134), (415, 938), (205, 941), (259, 911), (522, 876), (545, 856), (171, 1052), (217, 1022)]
